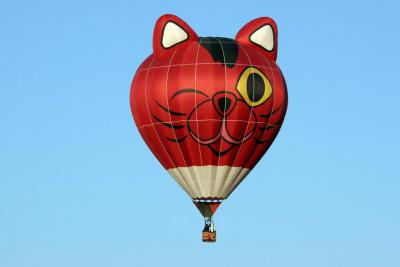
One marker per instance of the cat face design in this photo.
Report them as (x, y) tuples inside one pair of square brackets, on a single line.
[(223, 98)]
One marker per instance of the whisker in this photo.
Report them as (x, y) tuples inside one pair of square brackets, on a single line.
[(177, 140), (269, 126), (168, 124), (170, 111), (259, 141), (266, 116), (189, 90)]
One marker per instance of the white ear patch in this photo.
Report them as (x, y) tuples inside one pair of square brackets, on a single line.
[(172, 35), (264, 37)]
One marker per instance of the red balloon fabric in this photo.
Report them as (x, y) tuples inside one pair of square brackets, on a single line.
[(209, 107)]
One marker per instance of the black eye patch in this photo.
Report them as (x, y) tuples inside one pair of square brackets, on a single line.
[(224, 50), (255, 87)]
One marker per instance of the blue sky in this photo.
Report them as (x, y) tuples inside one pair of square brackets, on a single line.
[(78, 187)]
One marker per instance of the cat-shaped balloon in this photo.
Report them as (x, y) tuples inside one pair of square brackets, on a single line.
[(209, 107)]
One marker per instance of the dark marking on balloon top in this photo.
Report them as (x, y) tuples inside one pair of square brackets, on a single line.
[(224, 50)]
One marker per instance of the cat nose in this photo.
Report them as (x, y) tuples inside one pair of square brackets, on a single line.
[(224, 102)]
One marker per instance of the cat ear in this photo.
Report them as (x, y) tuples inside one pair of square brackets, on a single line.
[(262, 34), (171, 32)]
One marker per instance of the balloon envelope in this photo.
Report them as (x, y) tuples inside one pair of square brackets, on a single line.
[(209, 107)]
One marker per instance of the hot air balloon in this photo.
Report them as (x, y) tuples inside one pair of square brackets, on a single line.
[(209, 107)]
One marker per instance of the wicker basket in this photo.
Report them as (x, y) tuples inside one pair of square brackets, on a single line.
[(209, 236)]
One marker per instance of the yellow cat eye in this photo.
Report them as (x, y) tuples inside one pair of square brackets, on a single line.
[(254, 87)]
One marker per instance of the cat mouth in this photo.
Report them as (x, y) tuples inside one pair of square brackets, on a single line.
[(222, 142), (215, 122), (218, 152), (227, 129), (221, 134)]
